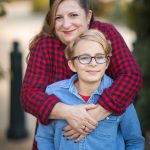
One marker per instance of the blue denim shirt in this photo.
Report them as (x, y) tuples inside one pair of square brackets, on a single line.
[(112, 133)]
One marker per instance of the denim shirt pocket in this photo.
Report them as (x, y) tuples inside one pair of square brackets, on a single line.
[(107, 128)]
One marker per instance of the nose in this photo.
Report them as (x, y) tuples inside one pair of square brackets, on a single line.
[(66, 22), (93, 62)]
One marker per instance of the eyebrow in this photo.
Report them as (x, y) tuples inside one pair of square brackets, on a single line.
[(96, 53)]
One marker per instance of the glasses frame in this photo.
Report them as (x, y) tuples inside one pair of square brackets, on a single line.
[(78, 57)]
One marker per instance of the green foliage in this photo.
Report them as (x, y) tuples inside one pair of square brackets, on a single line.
[(138, 19), (40, 5), (1, 72), (142, 54), (102, 9), (138, 15), (2, 10), (143, 109)]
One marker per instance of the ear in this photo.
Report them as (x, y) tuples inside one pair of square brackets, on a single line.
[(108, 61), (71, 66), (89, 16)]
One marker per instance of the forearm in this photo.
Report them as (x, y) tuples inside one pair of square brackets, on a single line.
[(99, 113), (122, 93), (60, 111), (126, 73), (38, 104), (33, 97)]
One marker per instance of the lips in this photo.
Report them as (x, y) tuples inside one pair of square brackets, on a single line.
[(93, 72), (69, 32)]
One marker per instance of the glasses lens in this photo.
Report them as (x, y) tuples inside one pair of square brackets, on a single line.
[(100, 59), (84, 59)]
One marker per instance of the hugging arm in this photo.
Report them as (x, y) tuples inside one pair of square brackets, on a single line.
[(35, 101), (123, 69), (37, 77)]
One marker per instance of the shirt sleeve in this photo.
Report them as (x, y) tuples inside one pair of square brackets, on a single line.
[(33, 98), (124, 70)]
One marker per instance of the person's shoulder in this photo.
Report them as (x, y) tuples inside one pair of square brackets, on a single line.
[(58, 85), (48, 40), (46, 44)]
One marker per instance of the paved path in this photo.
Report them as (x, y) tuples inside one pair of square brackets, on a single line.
[(20, 24)]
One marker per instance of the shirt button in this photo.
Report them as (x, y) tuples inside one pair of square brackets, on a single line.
[(107, 118)]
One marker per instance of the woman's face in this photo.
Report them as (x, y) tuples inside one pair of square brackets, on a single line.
[(71, 21)]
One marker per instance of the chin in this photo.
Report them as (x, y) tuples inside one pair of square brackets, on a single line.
[(94, 80)]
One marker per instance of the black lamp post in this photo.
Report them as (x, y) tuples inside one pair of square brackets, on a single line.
[(17, 128)]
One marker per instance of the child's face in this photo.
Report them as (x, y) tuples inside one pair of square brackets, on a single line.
[(92, 72)]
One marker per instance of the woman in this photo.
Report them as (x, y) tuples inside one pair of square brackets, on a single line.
[(66, 20)]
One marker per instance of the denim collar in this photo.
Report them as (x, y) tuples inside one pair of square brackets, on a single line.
[(69, 84)]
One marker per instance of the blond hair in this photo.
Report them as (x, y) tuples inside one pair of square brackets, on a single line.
[(90, 35)]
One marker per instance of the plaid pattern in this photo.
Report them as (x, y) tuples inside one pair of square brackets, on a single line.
[(47, 65)]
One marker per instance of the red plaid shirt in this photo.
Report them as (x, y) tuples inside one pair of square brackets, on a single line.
[(47, 64)]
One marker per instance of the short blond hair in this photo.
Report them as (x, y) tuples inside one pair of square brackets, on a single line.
[(90, 35)]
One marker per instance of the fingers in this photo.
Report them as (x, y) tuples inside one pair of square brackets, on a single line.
[(74, 136), (80, 118), (80, 138), (67, 128), (87, 130), (73, 133), (90, 126), (90, 106), (70, 133)]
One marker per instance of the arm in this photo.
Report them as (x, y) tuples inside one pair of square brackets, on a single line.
[(37, 77), (130, 130), (123, 69)]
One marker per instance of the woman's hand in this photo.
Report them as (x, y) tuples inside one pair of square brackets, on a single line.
[(79, 119), (76, 115), (70, 134), (99, 113)]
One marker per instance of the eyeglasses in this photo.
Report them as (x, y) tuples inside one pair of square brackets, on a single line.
[(86, 59)]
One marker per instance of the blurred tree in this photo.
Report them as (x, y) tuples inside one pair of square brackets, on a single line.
[(102, 8), (2, 13), (1, 72), (40, 5), (138, 15), (2, 9)]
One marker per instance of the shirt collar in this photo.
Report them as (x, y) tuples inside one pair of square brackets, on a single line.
[(105, 83)]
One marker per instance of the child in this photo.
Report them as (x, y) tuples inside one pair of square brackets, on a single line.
[(89, 57)]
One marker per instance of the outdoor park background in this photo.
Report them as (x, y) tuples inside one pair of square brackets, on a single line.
[(20, 20)]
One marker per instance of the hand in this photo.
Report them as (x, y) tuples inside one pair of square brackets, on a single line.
[(99, 113), (78, 118), (70, 134)]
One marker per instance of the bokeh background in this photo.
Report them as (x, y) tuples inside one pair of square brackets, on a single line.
[(20, 20)]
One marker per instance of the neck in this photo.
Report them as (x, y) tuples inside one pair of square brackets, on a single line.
[(85, 88)]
